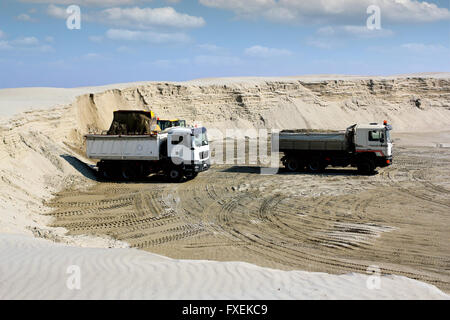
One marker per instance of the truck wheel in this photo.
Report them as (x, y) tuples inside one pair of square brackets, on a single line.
[(102, 171), (107, 171), (366, 166), (175, 174), (107, 174), (292, 164), (128, 172), (144, 173), (141, 170), (316, 165)]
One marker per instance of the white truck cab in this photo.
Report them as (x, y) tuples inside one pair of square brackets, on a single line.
[(376, 138), (189, 147)]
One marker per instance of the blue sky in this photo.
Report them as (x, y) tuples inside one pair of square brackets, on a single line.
[(175, 40)]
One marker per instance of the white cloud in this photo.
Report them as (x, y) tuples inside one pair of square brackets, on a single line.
[(199, 60), (211, 48), (424, 48), (25, 17), (326, 31), (124, 49), (57, 12), (49, 39), (336, 36), (135, 18), (146, 36), (148, 17), (96, 39), (2, 34), (162, 63), (170, 64), (332, 11), (242, 7), (25, 44), (264, 52), (355, 31), (4, 45), (61, 13), (45, 48), (91, 56), (26, 41), (99, 3), (211, 60), (414, 50), (320, 43)]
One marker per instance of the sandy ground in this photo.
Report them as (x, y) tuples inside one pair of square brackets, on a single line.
[(39, 269), (337, 222)]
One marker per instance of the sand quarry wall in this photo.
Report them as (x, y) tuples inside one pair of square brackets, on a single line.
[(410, 104), (37, 147)]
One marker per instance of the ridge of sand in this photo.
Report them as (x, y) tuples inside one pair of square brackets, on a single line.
[(38, 269), (15, 100)]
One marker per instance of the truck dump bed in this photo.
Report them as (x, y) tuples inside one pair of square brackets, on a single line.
[(297, 140), (116, 147), (132, 122)]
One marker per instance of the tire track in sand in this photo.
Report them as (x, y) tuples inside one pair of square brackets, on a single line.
[(397, 220)]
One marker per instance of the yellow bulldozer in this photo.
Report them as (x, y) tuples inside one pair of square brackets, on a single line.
[(164, 124)]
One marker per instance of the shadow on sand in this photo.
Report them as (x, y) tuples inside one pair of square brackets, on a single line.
[(91, 172), (283, 171)]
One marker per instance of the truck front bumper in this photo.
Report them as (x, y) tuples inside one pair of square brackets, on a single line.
[(198, 167), (384, 161)]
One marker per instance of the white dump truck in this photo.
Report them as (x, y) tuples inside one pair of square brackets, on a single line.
[(363, 146), (178, 152)]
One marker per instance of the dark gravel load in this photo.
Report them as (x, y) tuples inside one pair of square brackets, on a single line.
[(132, 122)]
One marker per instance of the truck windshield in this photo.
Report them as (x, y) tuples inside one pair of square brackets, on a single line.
[(200, 137)]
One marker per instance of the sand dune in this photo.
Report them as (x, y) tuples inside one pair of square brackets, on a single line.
[(38, 269), (16, 100)]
